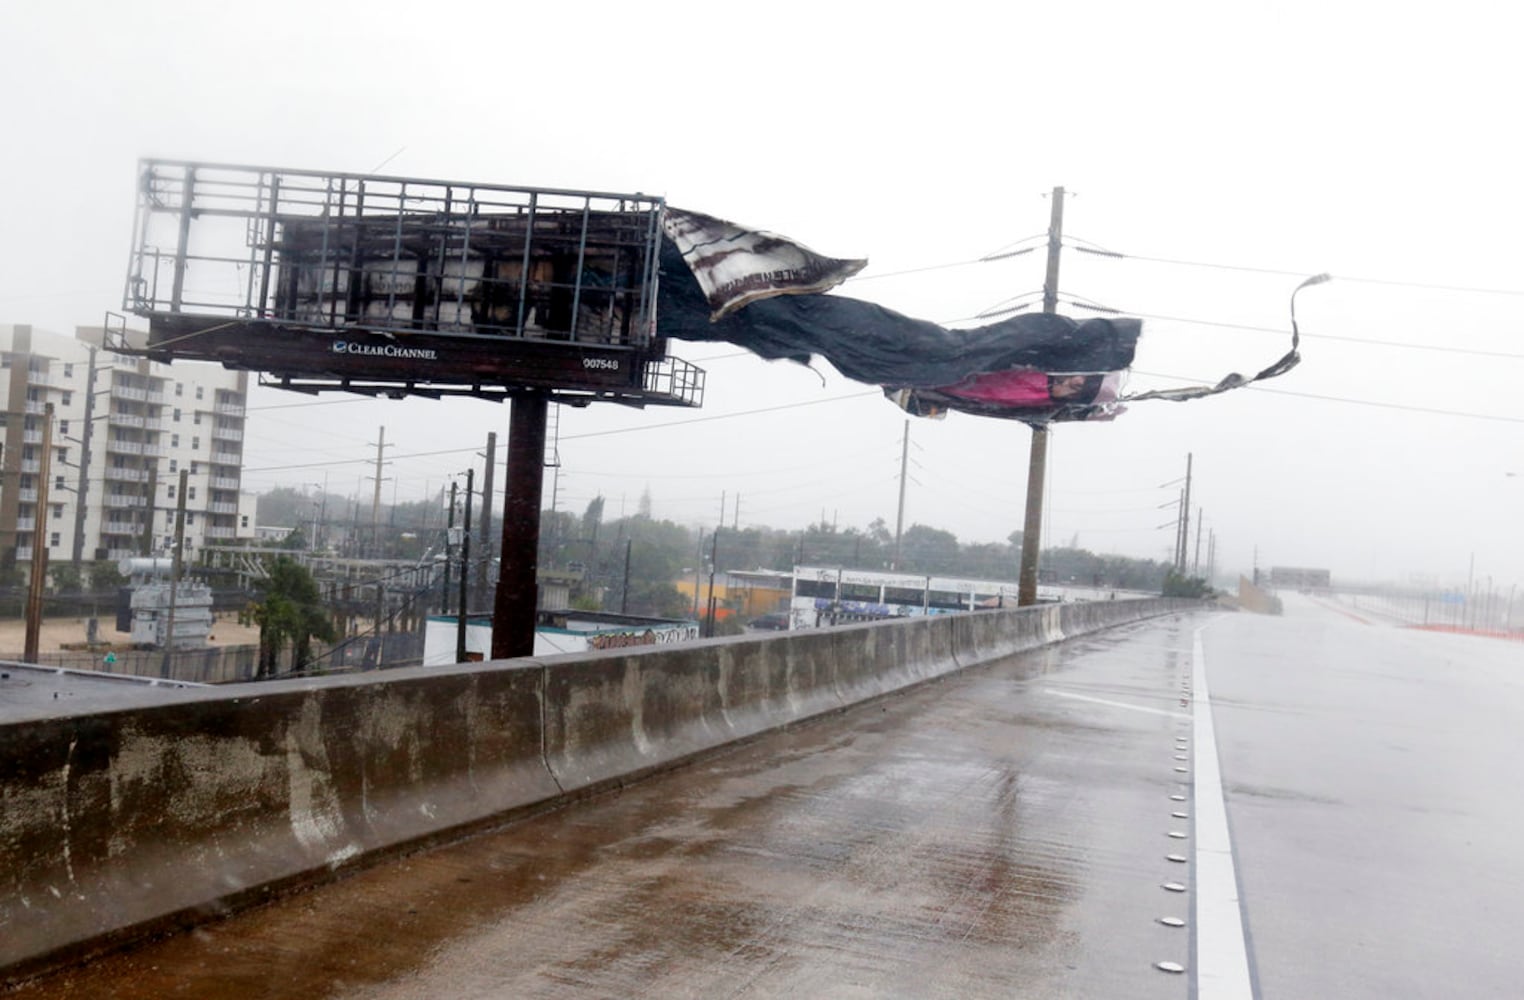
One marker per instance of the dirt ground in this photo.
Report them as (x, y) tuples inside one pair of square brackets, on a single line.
[(58, 631)]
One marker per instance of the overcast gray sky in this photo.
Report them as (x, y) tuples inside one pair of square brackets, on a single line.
[(1238, 147)]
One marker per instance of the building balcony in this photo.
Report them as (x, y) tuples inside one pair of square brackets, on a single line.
[(127, 475), (120, 500), (26, 496), (24, 554), (130, 392), (228, 409), (214, 532), (227, 434), (27, 524), (224, 483), (35, 407), (155, 451), (31, 466), (222, 508), (117, 555), (126, 419), (31, 437), (124, 447), (157, 398)]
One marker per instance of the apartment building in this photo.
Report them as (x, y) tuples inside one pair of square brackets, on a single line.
[(122, 430)]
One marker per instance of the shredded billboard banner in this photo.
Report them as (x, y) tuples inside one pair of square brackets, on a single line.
[(757, 290)]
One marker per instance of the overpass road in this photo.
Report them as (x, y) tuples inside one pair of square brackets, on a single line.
[(1211, 805)]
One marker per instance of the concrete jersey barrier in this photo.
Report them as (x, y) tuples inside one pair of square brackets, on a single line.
[(121, 823)]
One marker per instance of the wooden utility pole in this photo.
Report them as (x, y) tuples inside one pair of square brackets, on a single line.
[(38, 579), (1037, 463)]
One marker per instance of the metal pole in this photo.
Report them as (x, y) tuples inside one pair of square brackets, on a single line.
[(624, 596), (375, 503), (899, 520), (486, 527), (1037, 463), (514, 607), (714, 550), (174, 572), (38, 578), (465, 571), (1185, 514), (444, 592), (82, 493)]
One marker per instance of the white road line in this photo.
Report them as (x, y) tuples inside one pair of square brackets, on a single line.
[(1117, 704), (1222, 958)]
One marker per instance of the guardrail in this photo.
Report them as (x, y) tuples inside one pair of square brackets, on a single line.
[(124, 823)]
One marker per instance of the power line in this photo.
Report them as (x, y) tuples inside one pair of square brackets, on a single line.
[(1328, 336), (1466, 289)]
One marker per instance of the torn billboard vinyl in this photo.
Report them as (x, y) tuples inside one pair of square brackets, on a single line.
[(721, 282)]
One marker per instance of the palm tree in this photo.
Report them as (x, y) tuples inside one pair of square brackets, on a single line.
[(289, 610)]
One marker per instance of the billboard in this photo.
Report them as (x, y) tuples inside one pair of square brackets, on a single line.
[(401, 286)]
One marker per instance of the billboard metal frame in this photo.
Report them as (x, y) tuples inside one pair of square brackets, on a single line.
[(398, 286)]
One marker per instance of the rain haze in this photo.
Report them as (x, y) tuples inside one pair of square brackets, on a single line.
[(1229, 152)]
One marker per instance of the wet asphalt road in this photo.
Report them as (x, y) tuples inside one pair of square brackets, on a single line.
[(1003, 833)]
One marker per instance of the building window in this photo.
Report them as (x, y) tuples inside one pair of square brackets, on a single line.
[(68, 398), (195, 444), (174, 440), (68, 369), (196, 418), (63, 427), (199, 391), (58, 482), (177, 415), (190, 493), (58, 512), (179, 391), (53, 540), (171, 492), (190, 518), (244, 520), (195, 468), (174, 464), (5, 360)]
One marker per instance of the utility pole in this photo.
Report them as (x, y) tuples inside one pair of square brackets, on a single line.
[(1037, 463), (1196, 562), (39, 568), (899, 520), (174, 572), (714, 553), (465, 571), (624, 594), (146, 523), (444, 595), (1185, 516), (486, 528), (375, 503), (81, 494)]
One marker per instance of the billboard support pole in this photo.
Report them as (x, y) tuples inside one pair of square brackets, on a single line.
[(513, 609)]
